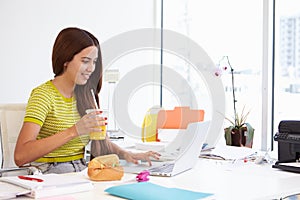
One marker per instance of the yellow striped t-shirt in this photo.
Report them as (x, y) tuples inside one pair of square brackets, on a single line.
[(48, 108)]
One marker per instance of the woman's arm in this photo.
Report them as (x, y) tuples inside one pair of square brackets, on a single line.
[(28, 148)]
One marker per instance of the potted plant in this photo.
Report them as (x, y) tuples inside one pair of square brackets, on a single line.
[(239, 133)]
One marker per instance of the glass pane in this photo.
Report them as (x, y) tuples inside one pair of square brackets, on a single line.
[(287, 62), (222, 28)]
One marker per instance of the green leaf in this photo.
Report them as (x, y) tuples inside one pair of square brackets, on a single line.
[(250, 136), (228, 135)]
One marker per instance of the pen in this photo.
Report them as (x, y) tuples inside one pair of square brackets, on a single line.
[(30, 178)]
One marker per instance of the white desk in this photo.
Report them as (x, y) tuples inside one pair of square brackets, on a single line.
[(227, 180)]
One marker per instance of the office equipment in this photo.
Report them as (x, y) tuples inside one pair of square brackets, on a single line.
[(176, 146), (49, 185), (158, 118), (188, 152), (149, 125), (288, 138), (150, 191), (179, 118), (172, 142), (142, 176)]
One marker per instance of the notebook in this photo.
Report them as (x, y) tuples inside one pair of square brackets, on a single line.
[(191, 145), (41, 186)]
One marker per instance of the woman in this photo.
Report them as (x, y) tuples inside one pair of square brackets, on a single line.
[(55, 129)]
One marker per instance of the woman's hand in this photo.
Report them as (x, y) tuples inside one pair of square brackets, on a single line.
[(90, 123), (135, 157)]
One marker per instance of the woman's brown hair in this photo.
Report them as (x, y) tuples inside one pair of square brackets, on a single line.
[(69, 42)]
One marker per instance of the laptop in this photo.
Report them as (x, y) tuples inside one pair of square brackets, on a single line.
[(191, 145)]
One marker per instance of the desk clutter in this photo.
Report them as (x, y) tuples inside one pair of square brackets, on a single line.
[(234, 154), (42, 186)]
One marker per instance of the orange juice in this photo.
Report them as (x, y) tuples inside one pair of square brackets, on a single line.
[(98, 135)]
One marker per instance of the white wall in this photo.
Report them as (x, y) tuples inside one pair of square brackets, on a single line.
[(29, 27)]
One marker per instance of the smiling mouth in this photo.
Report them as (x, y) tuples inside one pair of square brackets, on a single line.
[(86, 76)]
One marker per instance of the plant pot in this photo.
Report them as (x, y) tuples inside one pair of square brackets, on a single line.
[(239, 137)]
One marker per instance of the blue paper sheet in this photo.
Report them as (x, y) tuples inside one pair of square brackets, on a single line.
[(150, 191)]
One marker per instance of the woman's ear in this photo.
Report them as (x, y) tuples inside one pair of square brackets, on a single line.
[(65, 66)]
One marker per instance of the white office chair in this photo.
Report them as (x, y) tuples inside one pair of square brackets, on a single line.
[(11, 120)]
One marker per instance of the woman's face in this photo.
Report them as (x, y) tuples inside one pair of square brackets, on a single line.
[(80, 68)]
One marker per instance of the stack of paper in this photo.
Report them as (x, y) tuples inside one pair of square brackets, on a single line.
[(39, 186)]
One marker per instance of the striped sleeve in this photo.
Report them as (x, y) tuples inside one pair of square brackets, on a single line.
[(38, 106)]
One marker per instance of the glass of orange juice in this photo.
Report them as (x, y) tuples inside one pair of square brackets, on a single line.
[(98, 135)]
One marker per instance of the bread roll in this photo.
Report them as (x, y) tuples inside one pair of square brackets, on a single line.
[(105, 168)]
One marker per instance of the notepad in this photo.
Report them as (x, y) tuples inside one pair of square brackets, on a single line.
[(150, 191), (52, 184)]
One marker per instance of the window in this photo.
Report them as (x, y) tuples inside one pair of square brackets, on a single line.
[(286, 61), (232, 28)]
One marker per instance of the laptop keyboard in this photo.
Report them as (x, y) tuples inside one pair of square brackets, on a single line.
[(166, 168)]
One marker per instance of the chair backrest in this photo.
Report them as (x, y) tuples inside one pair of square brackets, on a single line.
[(11, 120)]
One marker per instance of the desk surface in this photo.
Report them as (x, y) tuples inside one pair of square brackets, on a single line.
[(226, 179)]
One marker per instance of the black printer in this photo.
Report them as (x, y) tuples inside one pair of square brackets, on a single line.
[(288, 138)]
